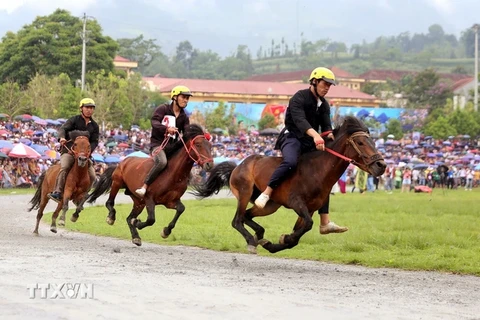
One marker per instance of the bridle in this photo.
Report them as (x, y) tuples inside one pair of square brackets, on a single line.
[(201, 159), (351, 141), (72, 150)]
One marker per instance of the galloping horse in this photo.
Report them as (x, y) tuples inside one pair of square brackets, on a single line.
[(167, 189), (305, 191), (76, 186)]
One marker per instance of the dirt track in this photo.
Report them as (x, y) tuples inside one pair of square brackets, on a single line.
[(165, 282)]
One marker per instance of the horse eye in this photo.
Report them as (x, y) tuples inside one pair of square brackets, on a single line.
[(360, 143)]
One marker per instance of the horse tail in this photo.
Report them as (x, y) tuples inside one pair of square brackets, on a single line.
[(218, 178), (38, 194), (103, 185)]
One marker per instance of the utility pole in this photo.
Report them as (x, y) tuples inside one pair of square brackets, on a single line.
[(475, 76), (84, 49)]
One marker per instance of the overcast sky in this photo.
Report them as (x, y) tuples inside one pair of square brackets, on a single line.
[(221, 25)]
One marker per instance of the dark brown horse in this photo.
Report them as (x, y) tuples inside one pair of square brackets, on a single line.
[(305, 191), (77, 183), (167, 189)]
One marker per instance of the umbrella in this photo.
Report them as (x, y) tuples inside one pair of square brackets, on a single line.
[(123, 145), (220, 159), (269, 132), (420, 166), (138, 154), (51, 154), (111, 159), (24, 117), (6, 144), (26, 141), (111, 144), (22, 151), (3, 155), (120, 137), (39, 148), (410, 146), (4, 115), (466, 136), (41, 122), (51, 130), (391, 136), (97, 157), (446, 143), (477, 167), (217, 130)]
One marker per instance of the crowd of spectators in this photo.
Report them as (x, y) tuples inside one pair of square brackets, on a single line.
[(412, 161)]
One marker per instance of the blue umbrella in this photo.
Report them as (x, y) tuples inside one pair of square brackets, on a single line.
[(420, 166), (6, 144), (97, 157), (477, 167), (111, 159), (39, 148), (138, 154)]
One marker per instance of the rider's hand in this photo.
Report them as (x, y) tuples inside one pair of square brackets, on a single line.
[(63, 141), (319, 143)]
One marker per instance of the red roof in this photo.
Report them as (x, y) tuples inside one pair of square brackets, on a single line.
[(397, 75), (460, 83), (296, 75), (121, 59), (251, 87)]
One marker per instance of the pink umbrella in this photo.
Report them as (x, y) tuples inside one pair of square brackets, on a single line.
[(23, 151)]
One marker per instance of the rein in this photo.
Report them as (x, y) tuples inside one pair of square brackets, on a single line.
[(201, 158), (351, 141)]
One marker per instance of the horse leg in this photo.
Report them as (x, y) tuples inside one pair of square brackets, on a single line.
[(53, 226), (112, 213), (259, 230), (238, 224), (43, 204), (291, 240), (150, 204), (132, 218), (79, 208), (168, 230), (61, 221)]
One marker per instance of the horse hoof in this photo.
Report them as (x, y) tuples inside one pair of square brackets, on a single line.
[(252, 249), (53, 229), (137, 241), (263, 242), (61, 223), (110, 221), (35, 233), (74, 218), (164, 234)]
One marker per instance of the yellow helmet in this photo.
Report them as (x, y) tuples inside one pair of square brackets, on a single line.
[(87, 102), (323, 74), (180, 90)]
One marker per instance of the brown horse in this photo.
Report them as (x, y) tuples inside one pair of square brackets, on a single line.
[(305, 191), (167, 189), (76, 186)]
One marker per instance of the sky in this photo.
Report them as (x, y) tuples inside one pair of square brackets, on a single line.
[(222, 25)]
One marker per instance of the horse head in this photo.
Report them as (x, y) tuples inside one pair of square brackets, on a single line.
[(198, 146), (81, 146), (354, 140)]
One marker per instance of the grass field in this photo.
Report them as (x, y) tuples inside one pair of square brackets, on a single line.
[(438, 232), (14, 191)]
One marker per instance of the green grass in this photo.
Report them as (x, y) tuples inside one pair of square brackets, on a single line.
[(412, 231), (13, 191)]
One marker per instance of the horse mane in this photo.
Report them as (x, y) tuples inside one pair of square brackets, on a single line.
[(191, 131), (349, 125), (78, 133)]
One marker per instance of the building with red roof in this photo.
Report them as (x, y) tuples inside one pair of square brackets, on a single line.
[(121, 63), (267, 92)]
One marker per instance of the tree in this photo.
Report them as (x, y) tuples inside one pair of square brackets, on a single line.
[(440, 128), (220, 117), (426, 91), (140, 50), (464, 123), (393, 127), (12, 99), (51, 45), (183, 58), (267, 121)]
